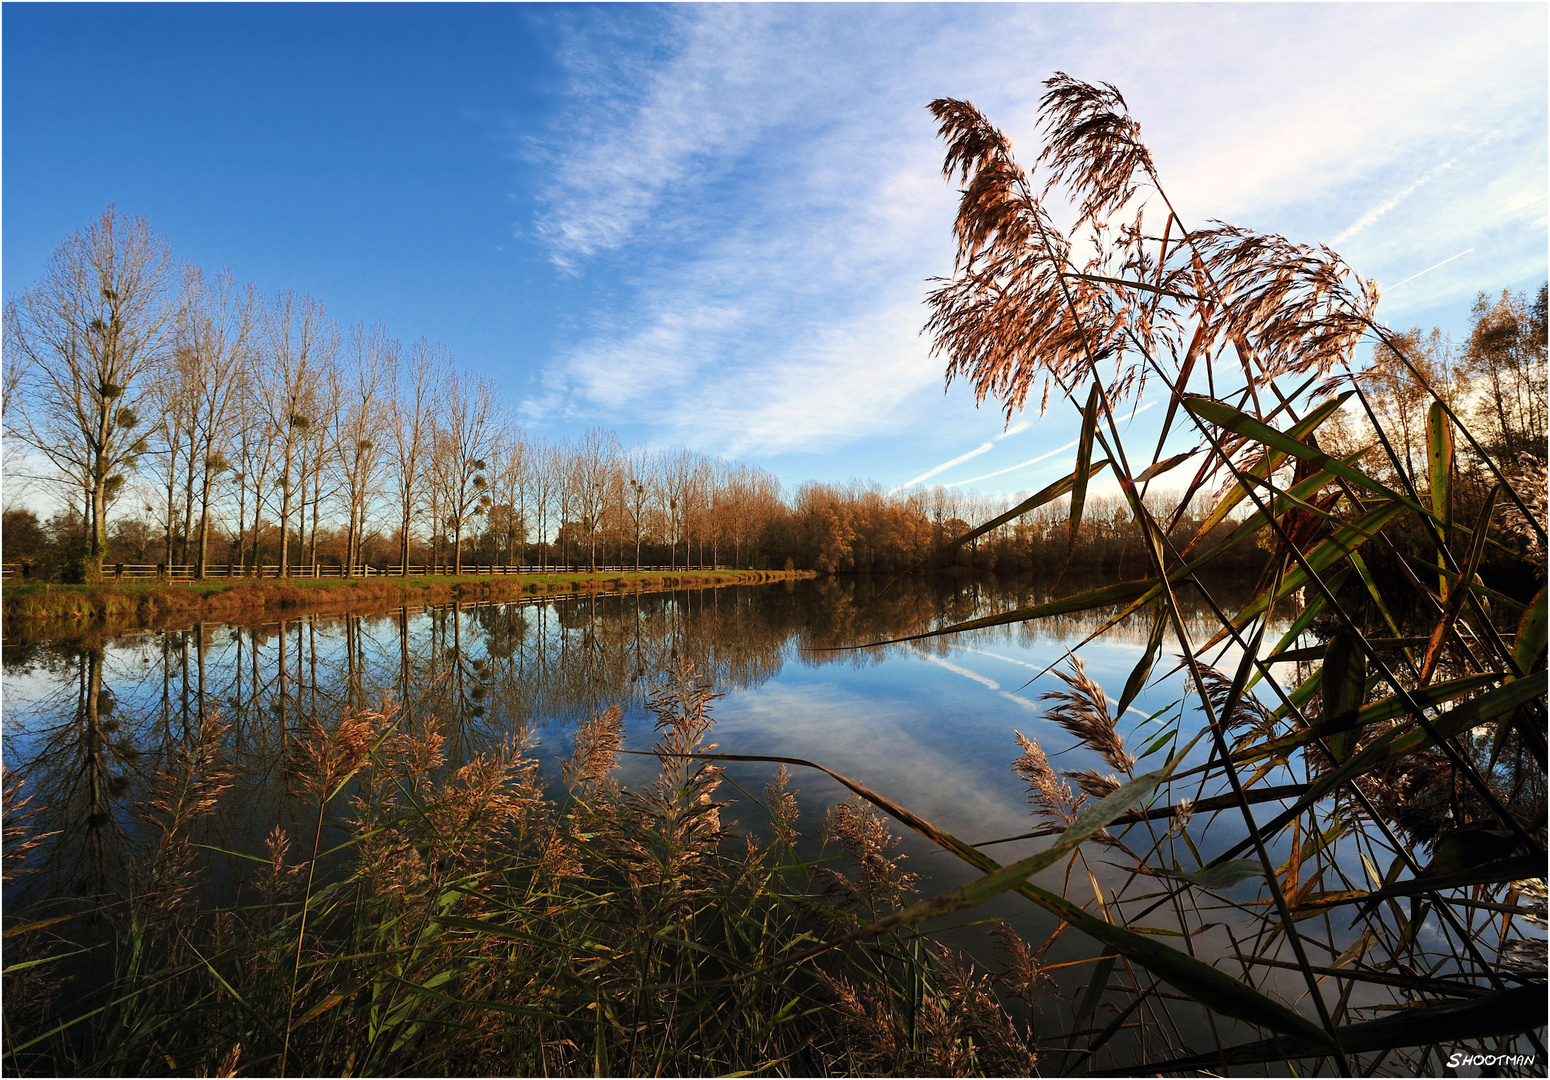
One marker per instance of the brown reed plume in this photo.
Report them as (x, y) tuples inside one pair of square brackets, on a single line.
[(1083, 710), (185, 790), (782, 806), (1248, 718), (19, 838), (598, 740), (1019, 306), (1022, 974), (1051, 796), (881, 882)]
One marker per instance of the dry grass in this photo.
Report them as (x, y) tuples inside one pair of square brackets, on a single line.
[(427, 920)]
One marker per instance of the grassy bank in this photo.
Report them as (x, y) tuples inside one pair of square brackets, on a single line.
[(34, 610)]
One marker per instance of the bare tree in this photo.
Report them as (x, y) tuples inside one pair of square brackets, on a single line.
[(593, 471), (510, 474), (677, 473), (215, 339), (640, 495), (468, 422), (255, 445), (410, 426), (357, 429), (299, 339), (90, 333), (170, 443), (544, 463)]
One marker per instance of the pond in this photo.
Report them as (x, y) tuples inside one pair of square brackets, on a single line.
[(929, 723)]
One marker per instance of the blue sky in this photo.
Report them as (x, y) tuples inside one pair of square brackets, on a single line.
[(712, 226)]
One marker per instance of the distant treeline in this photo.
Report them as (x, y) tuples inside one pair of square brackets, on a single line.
[(829, 528), (197, 423), (191, 421)]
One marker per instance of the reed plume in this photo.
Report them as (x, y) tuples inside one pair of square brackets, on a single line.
[(1083, 710), (1051, 796)]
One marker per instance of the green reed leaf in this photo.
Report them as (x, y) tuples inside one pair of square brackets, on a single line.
[(1495, 872), (1153, 471), (1095, 817), (1210, 986), (1326, 554), (1095, 987), (1224, 415), (1388, 708), (1106, 596), (1508, 1012), (1033, 502), (1398, 742), (1143, 668), (1439, 460), (1220, 876), (1345, 683), (1528, 651), (1455, 605), (1084, 455), (1266, 465)]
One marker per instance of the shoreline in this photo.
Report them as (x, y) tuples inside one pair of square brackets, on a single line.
[(42, 611)]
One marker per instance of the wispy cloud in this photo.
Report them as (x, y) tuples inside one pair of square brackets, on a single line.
[(1430, 268), (752, 192), (955, 668), (1372, 216)]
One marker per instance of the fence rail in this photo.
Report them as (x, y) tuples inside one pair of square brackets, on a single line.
[(188, 571)]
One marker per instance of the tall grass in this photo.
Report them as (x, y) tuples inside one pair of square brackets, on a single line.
[(1389, 791), (423, 920)]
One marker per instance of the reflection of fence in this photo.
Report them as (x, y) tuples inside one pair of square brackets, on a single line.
[(187, 571)]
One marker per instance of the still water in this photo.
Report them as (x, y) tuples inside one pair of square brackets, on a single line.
[(928, 723)]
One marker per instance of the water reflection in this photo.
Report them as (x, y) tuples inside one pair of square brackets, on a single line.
[(90, 725)]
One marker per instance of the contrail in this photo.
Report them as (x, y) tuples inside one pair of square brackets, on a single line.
[(1032, 461), (959, 460), (1010, 468), (1428, 270)]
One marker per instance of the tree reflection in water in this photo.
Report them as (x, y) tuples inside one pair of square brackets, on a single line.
[(89, 723)]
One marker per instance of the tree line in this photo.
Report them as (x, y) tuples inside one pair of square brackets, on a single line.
[(197, 422), (193, 421)]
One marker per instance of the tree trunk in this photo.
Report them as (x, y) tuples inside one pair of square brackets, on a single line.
[(285, 513), (317, 498), (204, 524), (91, 573)]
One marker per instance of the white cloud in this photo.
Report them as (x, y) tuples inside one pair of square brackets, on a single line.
[(756, 188), (1014, 468)]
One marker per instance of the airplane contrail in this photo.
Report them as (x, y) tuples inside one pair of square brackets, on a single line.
[(1428, 270), (959, 460)]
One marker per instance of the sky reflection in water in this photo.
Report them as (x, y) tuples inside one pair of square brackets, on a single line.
[(928, 723)]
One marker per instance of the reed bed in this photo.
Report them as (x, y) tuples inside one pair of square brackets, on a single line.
[(1377, 904), (424, 920)]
